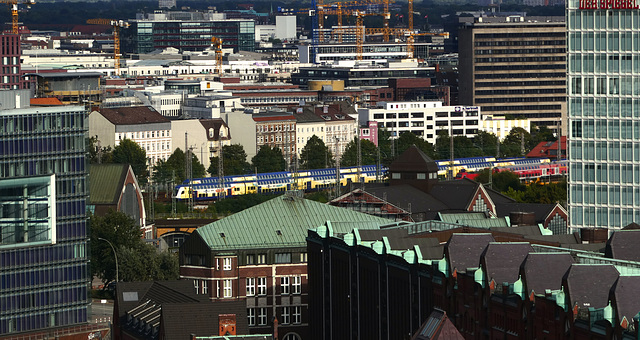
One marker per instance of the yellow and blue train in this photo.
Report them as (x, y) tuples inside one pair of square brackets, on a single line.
[(209, 188)]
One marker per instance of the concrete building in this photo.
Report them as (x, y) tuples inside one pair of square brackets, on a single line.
[(604, 176), (333, 52), (515, 66), (10, 69), (277, 130), (44, 262), (208, 107), (500, 126), (141, 124), (186, 31), (286, 27), (424, 118), (203, 136)]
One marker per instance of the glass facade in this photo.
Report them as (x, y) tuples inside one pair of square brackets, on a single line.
[(604, 115), (44, 274)]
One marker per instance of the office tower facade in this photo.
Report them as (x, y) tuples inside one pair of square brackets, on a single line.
[(514, 66), (10, 62), (44, 273), (604, 107)]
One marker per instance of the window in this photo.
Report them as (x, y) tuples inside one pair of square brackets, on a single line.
[(227, 289), (284, 284), (395, 175), (205, 287), (262, 286), (262, 258), (226, 263), (251, 286), (251, 316), (251, 259), (296, 286), (303, 257), (283, 258), (297, 314), (262, 316), (285, 316), (196, 285)]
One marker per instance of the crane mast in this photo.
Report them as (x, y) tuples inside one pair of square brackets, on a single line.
[(116, 24)]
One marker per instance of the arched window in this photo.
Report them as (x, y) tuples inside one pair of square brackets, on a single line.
[(291, 336)]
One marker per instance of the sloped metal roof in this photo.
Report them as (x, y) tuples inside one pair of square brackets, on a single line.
[(282, 222), (105, 182)]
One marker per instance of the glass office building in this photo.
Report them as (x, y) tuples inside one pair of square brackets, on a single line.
[(604, 113), (44, 274)]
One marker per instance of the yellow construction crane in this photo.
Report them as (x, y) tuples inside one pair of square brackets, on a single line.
[(116, 24), (217, 44), (13, 6)]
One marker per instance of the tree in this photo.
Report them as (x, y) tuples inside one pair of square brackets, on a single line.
[(234, 160), (407, 139), (269, 159), (540, 134), (137, 260), (163, 172), (315, 154), (386, 146), (502, 181), (368, 153), (486, 142), (511, 146), (98, 155), (129, 152)]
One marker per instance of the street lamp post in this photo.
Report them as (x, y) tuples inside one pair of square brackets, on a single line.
[(114, 255)]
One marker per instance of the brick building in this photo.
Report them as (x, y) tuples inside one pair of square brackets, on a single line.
[(259, 256)]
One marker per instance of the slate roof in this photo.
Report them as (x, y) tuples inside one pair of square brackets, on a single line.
[(627, 300), (623, 245), (399, 239), (437, 326), (133, 115), (413, 160), (403, 195), (586, 289), (497, 197), (502, 260), (541, 211), (456, 194), (162, 292), (105, 182), (465, 250), (544, 271), (282, 222), (527, 231), (307, 116)]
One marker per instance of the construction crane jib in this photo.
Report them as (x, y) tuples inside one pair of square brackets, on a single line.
[(117, 25)]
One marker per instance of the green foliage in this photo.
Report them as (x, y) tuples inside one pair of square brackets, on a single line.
[(407, 139), (268, 159), (315, 155), (129, 152), (462, 146), (163, 172), (501, 181), (234, 160), (104, 157), (368, 153), (137, 260), (512, 144), (541, 134), (385, 143), (486, 142), (318, 196), (238, 203)]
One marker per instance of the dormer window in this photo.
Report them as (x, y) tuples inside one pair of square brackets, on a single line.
[(210, 132)]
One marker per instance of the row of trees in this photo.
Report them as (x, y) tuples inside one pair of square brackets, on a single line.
[(316, 154)]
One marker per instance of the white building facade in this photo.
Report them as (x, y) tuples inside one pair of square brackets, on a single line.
[(424, 118), (604, 114), (500, 126)]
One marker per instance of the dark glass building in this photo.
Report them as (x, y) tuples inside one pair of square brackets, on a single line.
[(44, 274), (187, 31)]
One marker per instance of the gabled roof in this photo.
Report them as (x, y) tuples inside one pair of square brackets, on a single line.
[(549, 149), (502, 260), (456, 194), (132, 115), (626, 295), (623, 245), (587, 289), (545, 271), (465, 250), (413, 160), (105, 182), (541, 211), (281, 222), (437, 326), (399, 239), (404, 195), (132, 294), (214, 124)]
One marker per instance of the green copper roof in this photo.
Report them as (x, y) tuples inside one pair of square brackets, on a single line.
[(282, 222), (105, 182)]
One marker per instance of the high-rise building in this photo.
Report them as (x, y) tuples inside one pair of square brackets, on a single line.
[(514, 66), (604, 107), (44, 264), (10, 62), (187, 31)]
